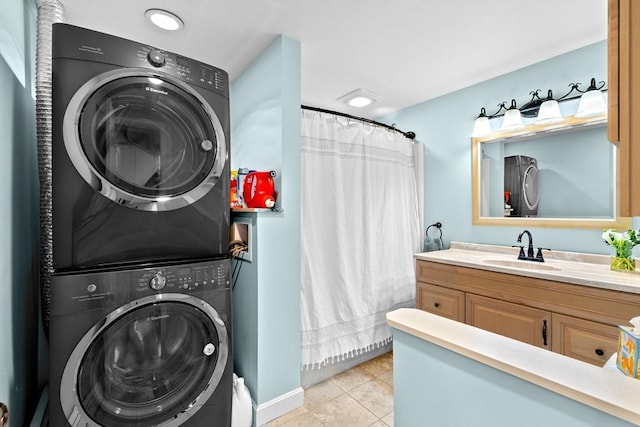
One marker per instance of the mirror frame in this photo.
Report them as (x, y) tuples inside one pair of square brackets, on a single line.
[(620, 223)]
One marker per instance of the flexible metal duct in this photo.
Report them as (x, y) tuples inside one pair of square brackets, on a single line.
[(49, 12)]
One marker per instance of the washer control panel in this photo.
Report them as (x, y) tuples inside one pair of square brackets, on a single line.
[(75, 292), (187, 278)]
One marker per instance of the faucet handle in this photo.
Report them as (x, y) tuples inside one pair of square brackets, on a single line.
[(539, 256), (521, 254)]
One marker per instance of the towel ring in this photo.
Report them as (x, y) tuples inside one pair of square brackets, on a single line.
[(438, 225)]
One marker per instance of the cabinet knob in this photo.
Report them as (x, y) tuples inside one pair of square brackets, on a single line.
[(599, 352), (436, 304)]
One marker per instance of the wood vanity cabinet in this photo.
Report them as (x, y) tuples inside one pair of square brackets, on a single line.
[(578, 321), (624, 98)]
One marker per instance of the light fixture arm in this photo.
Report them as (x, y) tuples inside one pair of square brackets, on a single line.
[(593, 86), (531, 107), (501, 106), (576, 87)]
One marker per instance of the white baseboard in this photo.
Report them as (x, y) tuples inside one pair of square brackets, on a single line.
[(279, 406)]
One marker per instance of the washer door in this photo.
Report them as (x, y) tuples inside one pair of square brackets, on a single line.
[(153, 362), (144, 139)]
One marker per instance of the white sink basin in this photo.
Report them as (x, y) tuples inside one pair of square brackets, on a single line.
[(521, 265)]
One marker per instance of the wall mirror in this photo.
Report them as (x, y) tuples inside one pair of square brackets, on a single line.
[(557, 175)]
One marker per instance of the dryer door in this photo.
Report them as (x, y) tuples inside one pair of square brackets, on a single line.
[(144, 139), (155, 361), (530, 192)]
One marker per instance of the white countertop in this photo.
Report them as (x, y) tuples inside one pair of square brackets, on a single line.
[(572, 267), (603, 389)]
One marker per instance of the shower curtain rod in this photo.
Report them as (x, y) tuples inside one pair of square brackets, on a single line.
[(410, 135)]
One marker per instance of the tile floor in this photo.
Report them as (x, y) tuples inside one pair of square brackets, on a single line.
[(361, 396)]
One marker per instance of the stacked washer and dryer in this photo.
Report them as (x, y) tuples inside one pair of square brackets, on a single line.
[(140, 313)]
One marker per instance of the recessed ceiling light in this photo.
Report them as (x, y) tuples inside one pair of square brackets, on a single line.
[(164, 19), (360, 101), (360, 98)]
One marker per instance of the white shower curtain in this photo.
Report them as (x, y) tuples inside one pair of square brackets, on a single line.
[(360, 230)]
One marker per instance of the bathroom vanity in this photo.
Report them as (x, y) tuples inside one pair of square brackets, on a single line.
[(570, 304)]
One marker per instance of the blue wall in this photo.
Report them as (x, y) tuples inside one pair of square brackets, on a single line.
[(444, 126), (18, 212), (265, 121), (447, 389)]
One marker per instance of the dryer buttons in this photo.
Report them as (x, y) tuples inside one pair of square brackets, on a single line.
[(156, 58), (158, 281)]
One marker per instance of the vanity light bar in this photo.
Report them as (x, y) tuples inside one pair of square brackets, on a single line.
[(546, 110)]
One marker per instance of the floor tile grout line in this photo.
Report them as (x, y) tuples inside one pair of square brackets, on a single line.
[(366, 409), (360, 403), (348, 392)]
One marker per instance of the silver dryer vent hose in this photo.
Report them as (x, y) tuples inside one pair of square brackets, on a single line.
[(49, 12)]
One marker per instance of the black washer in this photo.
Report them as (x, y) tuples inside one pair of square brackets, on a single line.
[(125, 351)]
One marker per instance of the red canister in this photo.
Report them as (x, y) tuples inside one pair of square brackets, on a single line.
[(258, 190)]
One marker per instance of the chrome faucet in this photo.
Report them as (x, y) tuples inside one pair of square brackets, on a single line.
[(530, 247)]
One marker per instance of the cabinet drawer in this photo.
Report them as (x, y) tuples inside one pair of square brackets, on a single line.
[(442, 301), (584, 340)]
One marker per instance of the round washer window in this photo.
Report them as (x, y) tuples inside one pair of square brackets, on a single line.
[(145, 140), (150, 139), (149, 365)]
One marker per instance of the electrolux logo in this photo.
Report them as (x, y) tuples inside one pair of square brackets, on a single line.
[(91, 49), (154, 90), (152, 318)]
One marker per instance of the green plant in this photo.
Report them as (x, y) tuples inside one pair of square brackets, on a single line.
[(622, 242)]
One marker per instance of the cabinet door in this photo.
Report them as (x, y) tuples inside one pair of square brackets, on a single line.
[(624, 98), (442, 301), (584, 340), (613, 70), (519, 322)]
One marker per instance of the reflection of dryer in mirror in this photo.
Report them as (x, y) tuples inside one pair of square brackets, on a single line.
[(521, 180)]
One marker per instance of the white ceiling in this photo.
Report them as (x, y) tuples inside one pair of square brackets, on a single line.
[(407, 51)]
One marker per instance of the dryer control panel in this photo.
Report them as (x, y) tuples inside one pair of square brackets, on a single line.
[(88, 45), (74, 292)]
